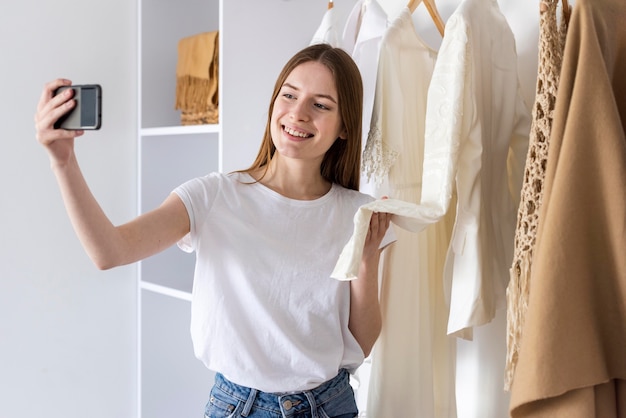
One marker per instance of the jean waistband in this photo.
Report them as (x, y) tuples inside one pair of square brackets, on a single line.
[(287, 404)]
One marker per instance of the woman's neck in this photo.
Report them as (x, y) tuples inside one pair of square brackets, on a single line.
[(295, 181)]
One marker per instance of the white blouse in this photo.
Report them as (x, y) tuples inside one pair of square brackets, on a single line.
[(477, 129)]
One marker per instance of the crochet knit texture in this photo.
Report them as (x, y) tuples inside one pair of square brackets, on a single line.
[(551, 45)]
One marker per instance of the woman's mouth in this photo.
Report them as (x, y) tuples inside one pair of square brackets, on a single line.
[(296, 133)]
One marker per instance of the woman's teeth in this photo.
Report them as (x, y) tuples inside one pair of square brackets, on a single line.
[(299, 134)]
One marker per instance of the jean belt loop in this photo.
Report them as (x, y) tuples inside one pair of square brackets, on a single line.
[(248, 406), (312, 403)]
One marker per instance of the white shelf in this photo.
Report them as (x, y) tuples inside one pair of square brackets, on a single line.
[(171, 381), (181, 130), (164, 290)]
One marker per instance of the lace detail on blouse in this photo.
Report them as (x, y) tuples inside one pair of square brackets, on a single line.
[(444, 119), (378, 157)]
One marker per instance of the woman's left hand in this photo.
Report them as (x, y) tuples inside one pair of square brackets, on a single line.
[(379, 223), (365, 316)]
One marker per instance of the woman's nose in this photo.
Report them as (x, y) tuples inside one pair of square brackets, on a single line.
[(299, 111)]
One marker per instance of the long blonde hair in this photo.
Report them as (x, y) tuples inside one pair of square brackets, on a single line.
[(342, 161)]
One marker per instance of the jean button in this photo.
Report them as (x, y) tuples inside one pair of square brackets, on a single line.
[(287, 405)]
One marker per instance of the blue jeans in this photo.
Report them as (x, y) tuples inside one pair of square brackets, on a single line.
[(333, 399)]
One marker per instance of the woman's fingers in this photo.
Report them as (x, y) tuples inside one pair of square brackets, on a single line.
[(50, 108), (48, 92), (379, 224)]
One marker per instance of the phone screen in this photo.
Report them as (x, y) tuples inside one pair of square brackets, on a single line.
[(88, 113)]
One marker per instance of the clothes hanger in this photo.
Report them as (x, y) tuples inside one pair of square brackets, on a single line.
[(432, 10), (331, 4)]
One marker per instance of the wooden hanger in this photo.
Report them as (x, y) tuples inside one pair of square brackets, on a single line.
[(432, 10), (331, 4)]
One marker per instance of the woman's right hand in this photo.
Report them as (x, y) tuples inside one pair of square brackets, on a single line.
[(58, 142)]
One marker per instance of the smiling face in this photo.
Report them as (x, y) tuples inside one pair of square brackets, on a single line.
[(335, 75), (305, 120)]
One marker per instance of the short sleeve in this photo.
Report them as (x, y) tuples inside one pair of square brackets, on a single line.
[(198, 196)]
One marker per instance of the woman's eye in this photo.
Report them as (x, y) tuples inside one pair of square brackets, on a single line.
[(321, 106), (288, 96)]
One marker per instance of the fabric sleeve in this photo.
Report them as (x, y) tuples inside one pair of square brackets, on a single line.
[(378, 155), (406, 215), (444, 117), (198, 196)]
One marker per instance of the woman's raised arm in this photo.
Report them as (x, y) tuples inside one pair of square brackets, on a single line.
[(107, 245)]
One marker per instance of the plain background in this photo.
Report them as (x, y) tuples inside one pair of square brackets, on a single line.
[(68, 331)]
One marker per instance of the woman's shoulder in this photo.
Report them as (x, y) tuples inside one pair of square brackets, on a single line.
[(356, 197), (212, 183), (234, 177)]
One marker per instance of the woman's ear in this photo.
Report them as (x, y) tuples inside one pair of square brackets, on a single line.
[(343, 134)]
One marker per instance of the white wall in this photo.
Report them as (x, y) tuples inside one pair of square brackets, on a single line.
[(67, 330)]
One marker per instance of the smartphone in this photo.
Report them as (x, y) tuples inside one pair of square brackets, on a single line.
[(87, 114)]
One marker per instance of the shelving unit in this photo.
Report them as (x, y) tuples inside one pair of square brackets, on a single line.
[(171, 381), (256, 39)]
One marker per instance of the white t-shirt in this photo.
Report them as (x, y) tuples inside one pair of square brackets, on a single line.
[(265, 311)]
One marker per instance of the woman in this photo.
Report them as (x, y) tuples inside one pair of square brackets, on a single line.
[(281, 335)]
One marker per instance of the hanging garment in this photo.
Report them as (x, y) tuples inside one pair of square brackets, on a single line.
[(551, 43), (572, 359), (413, 359), (362, 36), (326, 33), (476, 120)]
